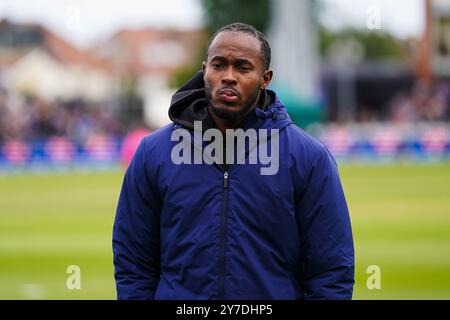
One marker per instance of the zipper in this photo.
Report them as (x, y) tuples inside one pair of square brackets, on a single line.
[(223, 236), (225, 180)]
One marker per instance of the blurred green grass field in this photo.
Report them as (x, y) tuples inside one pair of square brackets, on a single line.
[(400, 216)]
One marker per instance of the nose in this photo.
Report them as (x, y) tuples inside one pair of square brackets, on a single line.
[(228, 77)]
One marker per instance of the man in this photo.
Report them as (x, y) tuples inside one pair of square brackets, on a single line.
[(191, 226)]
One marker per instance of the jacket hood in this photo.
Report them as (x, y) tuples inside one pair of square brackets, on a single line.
[(189, 104)]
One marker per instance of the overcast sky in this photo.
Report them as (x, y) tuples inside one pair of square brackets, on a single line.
[(401, 17), (85, 21)]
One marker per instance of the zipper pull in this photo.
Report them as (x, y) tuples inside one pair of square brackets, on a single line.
[(225, 179)]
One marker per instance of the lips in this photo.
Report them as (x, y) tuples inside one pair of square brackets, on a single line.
[(228, 95)]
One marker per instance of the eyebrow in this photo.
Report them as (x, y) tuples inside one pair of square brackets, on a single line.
[(239, 61), (220, 58)]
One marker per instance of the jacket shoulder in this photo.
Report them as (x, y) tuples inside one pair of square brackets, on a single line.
[(155, 146), (159, 136), (306, 142)]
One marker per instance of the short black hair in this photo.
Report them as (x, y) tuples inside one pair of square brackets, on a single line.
[(266, 54)]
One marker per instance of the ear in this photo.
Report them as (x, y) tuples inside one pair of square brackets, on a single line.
[(266, 78), (203, 66)]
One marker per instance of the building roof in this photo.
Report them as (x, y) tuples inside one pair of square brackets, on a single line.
[(16, 40), (151, 50), (130, 51)]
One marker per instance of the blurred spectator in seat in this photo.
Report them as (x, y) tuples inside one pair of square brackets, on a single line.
[(131, 142)]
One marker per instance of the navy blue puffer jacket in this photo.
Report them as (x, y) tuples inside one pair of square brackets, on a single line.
[(199, 231)]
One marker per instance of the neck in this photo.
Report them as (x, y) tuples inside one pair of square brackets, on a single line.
[(224, 124)]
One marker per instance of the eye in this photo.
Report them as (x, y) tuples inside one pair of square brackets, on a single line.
[(244, 69), (216, 65)]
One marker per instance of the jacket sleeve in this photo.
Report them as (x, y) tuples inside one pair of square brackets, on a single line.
[(136, 234), (325, 233)]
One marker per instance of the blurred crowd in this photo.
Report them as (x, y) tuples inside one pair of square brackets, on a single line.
[(421, 104), (31, 118)]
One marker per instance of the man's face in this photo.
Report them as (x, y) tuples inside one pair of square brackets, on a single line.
[(234, 74)]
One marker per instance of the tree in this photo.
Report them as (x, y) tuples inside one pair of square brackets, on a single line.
[(222, 12)]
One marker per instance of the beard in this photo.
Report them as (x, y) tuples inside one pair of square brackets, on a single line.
[(228, 113)]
